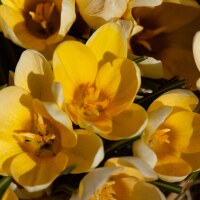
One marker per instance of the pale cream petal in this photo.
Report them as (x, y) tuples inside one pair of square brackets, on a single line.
[(140, 165), (141, 150), (151, 68), (34, 74), (149, 3), (196, 49), (97, 13)]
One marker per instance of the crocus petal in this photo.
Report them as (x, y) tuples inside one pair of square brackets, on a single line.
[(155, 119), (139, 3), (196, 49), (96, 13), (188, 101), (193, 159), (185, 137), (133, 162), (141, 150), (102, 126), (74, 65), (142, 189), (67, 17), (184, 2), (37, 176), (9, 195), (8, 149), (15, 110), (58, 94), (85, 156), (172, 168), (93, 181), (58, 119), (34, 74), (129, 123), (18, 4), (123, 78), (151, 68), (114, 46)]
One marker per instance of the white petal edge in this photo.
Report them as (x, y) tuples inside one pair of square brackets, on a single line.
[(141, 150)]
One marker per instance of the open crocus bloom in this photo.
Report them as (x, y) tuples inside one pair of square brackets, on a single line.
[(36, 24), (170, 143), (121, 178), (168, 37), (196, 54), (99, 84), (37, 140)]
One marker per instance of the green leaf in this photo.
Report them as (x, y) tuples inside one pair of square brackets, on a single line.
[(68, 169), (4, 184)]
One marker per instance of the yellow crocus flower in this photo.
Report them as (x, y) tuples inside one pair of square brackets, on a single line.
[(37, 25), (99, 84), (37, 140), (120, 178), (170, 143)]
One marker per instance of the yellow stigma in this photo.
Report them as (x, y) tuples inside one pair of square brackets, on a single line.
[(43, 13), (160, 136), (93, 104), (106, 192), (42, 140)]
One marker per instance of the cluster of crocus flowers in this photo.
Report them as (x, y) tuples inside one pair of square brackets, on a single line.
[(120, 178), (37, 139), (170, 143), (37, 25), (99, 84)]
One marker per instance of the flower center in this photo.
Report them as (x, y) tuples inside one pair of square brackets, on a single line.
[(42, 14), (93, 103), (43, 19), (160, 136), (43, 141), (106, 192)]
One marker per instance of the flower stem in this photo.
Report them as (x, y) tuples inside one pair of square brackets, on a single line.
[(140, 59), (4, 184), (168, 186), (120, 144)]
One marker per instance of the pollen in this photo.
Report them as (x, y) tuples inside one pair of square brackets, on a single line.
[(106, 192), (42, 14), (160, 136), (93, 103)]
